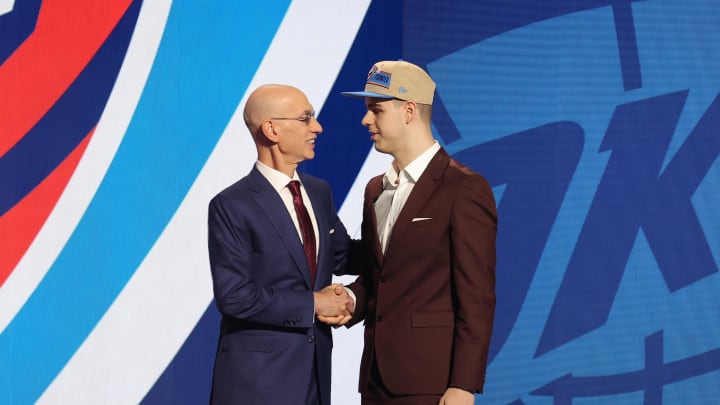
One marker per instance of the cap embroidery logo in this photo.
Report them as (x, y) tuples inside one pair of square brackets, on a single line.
[(380, 78)]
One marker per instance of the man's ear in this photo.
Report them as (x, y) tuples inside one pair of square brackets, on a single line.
[(268, 131), (410, 111)]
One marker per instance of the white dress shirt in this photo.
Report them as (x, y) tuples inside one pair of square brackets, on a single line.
[(279, 182), (396, 189)]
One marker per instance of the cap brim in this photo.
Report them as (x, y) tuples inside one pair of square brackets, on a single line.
[(363, 94)]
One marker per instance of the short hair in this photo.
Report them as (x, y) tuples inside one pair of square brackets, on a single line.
[(425, 110)]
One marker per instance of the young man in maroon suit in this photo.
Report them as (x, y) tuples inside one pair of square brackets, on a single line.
[(427, 284)]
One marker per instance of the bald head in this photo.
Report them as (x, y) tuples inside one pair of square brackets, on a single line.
[(283, 125), (268, 101)]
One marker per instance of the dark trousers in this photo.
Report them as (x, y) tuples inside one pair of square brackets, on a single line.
[(313, 394)]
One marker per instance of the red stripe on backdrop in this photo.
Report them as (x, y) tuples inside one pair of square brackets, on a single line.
[(21, 224), (66, 37)]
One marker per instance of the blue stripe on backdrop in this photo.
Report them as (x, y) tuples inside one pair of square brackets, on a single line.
[(342, 150), (192, 91), (345, 143)]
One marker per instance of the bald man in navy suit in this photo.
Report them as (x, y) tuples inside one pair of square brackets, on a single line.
[(272, 269)]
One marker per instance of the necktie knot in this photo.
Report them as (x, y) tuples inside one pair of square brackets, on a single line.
[(294, 187)]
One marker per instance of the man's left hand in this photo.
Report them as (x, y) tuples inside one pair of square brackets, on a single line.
[(457, 396)]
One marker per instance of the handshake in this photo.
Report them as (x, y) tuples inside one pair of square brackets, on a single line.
[(333, 305)]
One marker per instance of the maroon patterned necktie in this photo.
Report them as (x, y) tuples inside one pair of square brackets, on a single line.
[(308, 235)]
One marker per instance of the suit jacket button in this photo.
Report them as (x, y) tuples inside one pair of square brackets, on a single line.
[(379, 318), (382, 279), (311, 339)]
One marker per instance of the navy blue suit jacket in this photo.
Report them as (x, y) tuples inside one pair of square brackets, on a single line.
[(269, 338)]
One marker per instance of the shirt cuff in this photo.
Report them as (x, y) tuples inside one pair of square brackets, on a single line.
[(470, 390), (352, 295)]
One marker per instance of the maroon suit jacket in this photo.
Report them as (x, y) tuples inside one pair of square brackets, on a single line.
[(429, 302)]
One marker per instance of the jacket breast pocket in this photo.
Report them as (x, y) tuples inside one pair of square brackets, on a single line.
[(424, 222), (432, 319)]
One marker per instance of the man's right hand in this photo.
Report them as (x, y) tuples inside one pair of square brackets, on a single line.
[(333, 305)]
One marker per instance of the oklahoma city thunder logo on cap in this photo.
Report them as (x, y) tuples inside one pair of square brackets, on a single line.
[(378, 77)]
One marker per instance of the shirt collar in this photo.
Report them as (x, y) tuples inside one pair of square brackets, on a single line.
[(412, 171), (277, 179)]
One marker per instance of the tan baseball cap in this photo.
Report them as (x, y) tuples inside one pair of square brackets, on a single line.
[(397, 79)]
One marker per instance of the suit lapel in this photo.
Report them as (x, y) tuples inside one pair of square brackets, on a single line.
[(319, 210), (271, 204), (374, 190), (424, 188)]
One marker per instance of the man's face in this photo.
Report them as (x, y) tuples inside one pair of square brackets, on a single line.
[(297, 128), (384, 119)]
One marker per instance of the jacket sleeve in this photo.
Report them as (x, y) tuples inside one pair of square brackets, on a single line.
[(237, 294), (360, 259), (473, 232)]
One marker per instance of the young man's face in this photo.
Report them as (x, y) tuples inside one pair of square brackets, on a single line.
[(385, 121)]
